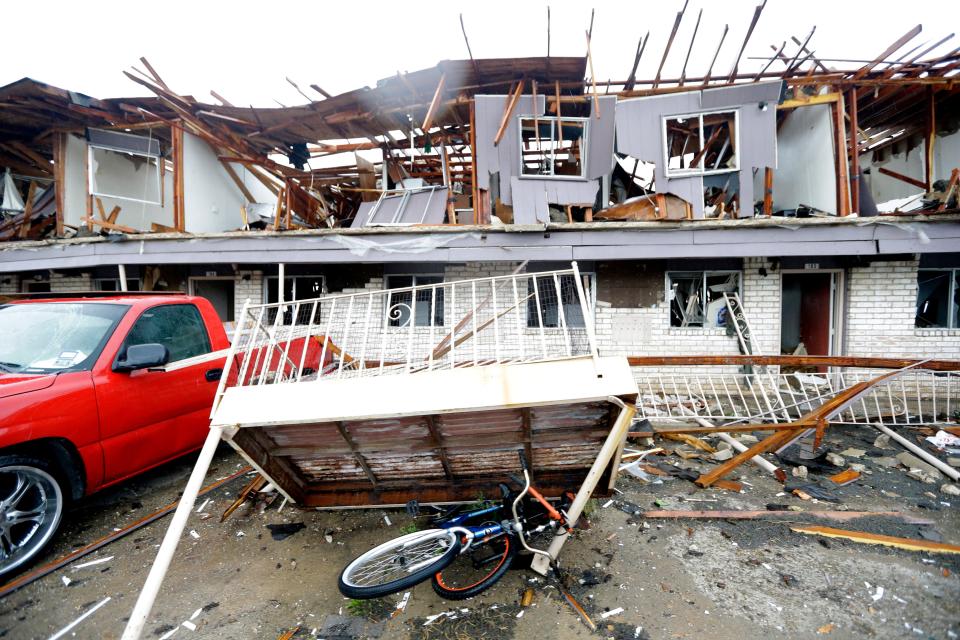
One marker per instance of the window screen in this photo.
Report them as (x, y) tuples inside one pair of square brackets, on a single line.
[(178, 327)]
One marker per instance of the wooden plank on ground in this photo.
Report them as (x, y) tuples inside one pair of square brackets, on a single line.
[(874, 538)]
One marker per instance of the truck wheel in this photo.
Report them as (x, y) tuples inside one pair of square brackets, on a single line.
[(31, 503)]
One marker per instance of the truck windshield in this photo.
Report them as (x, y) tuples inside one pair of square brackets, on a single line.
[(54, 336)]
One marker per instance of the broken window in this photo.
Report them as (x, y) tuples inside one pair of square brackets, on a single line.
[(295, 288), (700, 143), (696, 297), (426, 308), (938, 298), (124, 166), (554, 302), (553, 147)]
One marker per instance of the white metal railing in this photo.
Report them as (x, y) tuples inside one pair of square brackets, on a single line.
[(918, 396), (516, 318)]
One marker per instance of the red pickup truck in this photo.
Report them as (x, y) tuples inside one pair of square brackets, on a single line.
[(84, 403)]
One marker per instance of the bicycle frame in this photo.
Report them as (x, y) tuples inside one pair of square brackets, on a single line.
[(469, 533)]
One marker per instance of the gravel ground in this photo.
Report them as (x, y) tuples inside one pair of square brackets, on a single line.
[(726, 579)]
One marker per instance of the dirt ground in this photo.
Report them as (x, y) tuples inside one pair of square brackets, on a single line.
[(726, 579)]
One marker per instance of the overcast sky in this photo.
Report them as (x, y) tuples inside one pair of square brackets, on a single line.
[(244, 49)]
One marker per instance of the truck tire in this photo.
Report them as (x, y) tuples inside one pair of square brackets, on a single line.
[(31, 505)]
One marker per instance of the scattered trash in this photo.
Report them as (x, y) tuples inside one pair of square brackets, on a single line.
[(827, 628), (612, 612), (92, 563), (527, 598), (194, 534)]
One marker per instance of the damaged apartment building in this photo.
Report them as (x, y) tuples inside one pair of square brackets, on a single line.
[(801, 209)]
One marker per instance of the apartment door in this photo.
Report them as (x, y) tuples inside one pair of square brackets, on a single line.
[(219, 291), (809, 312)]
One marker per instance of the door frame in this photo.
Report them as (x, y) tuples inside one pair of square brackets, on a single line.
[(837, 304), (191, 290)]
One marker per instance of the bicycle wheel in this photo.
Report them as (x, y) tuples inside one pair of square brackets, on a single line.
[(476, 570), (399, 564)]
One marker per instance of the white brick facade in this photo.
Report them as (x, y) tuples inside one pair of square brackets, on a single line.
[(881, 307)]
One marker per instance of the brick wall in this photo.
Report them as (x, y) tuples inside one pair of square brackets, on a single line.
[(881, 307), (60, 282), (9, 283), (247, 284)]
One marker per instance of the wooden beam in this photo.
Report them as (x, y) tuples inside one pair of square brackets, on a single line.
[(809, 101), (59, 176), (920, 184), (593, 79), (854, 152), (904, 39), (632, 79), (507, 113), (873, 538), (109, 225), (474, 189), (683, 72), (28, 210), (931, 136), (723, 36), (438, 443), (355, 450), (476, 67), (666, 50), (753, 24), (237, 181), (176, 136), (768, 192), (840, 147), (434, 105)]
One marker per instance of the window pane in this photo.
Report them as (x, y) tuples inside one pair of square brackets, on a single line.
[(700, 143), (178, 327), (933, 296), (295, 288)]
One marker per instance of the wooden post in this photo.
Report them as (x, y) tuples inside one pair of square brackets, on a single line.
[(28, 210), (840, 146), (768, 192), (854, 153), (474, 190), (59, 179), (176, 136), (87, 198), (931, 135)]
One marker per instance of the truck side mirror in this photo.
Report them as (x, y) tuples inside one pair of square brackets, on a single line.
[(142, 356)]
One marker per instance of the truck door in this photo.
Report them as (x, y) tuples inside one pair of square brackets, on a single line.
[(148, 417)]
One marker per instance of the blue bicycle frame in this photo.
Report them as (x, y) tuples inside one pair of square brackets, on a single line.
[(456, 523)]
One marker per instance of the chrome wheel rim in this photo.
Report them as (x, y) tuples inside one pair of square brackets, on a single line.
[(30, 507)]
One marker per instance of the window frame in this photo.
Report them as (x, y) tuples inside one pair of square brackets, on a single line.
[(122, 350), (149, 156), (590, 291), (585, 139), (695, 172), (667, 288), (433, 312), (953, 321)]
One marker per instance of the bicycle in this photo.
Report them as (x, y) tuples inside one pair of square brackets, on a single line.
[(461, 560)]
